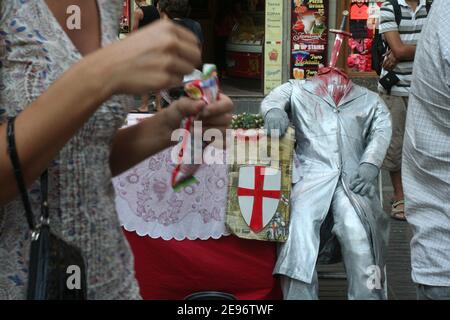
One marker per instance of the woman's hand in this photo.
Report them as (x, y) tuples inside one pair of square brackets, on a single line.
[(151, 59), (217, 115), (134, 144)]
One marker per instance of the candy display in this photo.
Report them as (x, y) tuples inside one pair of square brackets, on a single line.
[(206, 89), (361, 58), (364, 19)]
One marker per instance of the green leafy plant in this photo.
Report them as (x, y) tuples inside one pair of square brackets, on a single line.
[(247, 121)]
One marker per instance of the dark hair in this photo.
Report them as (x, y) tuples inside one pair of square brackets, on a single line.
[(175, 8), (192, 26)]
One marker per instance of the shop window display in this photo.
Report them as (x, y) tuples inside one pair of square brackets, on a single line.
[(245, 44), (364, 19)]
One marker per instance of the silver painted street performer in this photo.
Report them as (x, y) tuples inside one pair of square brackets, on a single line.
[(343, 132)]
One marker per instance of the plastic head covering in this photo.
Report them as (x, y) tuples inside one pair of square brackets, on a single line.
[(332, 80)]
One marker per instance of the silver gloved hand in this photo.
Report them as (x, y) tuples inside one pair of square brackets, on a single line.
[(276, 119), (363, 181)]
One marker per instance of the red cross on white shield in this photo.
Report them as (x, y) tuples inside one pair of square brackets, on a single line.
[(259, 192)]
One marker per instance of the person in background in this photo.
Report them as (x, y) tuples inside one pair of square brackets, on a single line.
[(178, 11), (144, 15), (426, 158), (402, 40), (226, 20)]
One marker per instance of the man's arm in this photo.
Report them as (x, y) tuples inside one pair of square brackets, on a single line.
[(279, 98), (389, 29), (274, 107), (379, 136), (401, 51)]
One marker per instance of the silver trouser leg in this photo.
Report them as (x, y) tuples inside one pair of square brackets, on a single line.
[(299, 290), (363, 277), (432, 293)]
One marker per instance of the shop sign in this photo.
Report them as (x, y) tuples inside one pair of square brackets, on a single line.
[(309, 37), (273, 53)]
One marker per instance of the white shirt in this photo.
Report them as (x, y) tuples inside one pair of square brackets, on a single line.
[(426, 153), (409, 29)]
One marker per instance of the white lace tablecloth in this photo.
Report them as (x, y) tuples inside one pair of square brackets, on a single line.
[(147, 204)]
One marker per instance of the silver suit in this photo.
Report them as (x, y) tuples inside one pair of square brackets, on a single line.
[(332, 142)]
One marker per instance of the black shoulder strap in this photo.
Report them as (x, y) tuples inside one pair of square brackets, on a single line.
[(14, 157), (44, 198), (12, 151), (428, 5), (397, 11)]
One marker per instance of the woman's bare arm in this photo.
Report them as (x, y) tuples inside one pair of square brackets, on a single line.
[(46, 125), (151, 59), (135, 144)]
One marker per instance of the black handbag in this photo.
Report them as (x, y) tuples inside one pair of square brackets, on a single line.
[(389, 80), (56, 269)]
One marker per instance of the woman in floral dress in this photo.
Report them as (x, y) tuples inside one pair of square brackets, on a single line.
[(67, 85)]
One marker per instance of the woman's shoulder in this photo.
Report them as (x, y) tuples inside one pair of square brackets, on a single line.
[(6, 8)]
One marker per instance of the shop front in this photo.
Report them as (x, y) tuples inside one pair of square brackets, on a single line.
[(309, 37), (363, 22), (237, 40), (244, 38), (311, 43), (259, 44)]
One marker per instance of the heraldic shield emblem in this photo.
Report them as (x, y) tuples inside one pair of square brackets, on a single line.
[(259, 188), (259, 193)]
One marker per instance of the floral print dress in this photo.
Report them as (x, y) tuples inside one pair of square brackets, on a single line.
[(34, 52)]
